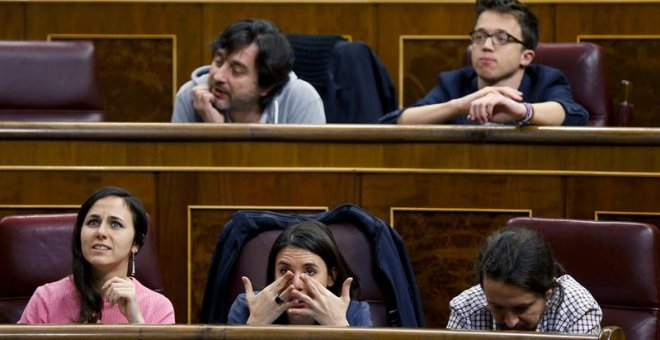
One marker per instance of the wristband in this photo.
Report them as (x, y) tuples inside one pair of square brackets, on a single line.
[(529, 114)]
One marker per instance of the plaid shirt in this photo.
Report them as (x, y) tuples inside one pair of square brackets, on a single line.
[(577, 312)]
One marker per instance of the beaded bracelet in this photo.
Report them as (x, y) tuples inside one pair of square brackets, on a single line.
[(529, 114)]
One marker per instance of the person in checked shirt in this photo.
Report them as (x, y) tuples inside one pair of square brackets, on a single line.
[(522, 287)]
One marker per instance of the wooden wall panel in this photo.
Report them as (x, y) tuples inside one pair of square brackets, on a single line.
[(422, 59), (415, 19), (139, 99), (541, 194), (356, 20), (572, 20), (179, 191), (443, 245), (628, 57), (70, 188), (587, 195), (642, 217), (180, 20), (633, 58), (12, 17)]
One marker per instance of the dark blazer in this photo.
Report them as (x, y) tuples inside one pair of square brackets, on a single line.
[(349, 77), (363, 89)]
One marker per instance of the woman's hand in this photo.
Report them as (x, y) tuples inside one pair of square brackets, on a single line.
[(121, 292), (263, 307), (323, 305)]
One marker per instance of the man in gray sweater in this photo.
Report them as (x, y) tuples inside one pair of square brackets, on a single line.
[(249, 81)]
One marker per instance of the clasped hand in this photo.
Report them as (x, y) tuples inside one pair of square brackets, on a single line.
[(121, 292), (319, 303), (497, 104)]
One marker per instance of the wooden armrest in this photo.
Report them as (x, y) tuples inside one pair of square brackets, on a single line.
[(612, 333)]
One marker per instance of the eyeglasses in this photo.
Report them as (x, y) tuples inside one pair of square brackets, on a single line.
[(499, 38)]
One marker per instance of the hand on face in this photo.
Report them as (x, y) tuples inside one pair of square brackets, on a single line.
[(121, 292), (320, 303), (203, 104), (493, 104), (317, 301), (514, 307), (263, 308)]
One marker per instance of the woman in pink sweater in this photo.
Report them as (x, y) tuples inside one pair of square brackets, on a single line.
[(110, 229)]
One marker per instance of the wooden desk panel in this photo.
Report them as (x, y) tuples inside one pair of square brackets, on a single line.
[(374, 148), (274, 332), (453, 176), (12, 18)]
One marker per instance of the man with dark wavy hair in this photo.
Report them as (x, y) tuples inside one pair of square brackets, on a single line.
[(522, 287), (501, 86), (249, 81)]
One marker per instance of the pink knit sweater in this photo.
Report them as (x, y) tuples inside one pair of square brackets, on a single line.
[(57, 303)]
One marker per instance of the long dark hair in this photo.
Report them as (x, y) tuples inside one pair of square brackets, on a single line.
[(520, 257), (316, 237), (91, 300)]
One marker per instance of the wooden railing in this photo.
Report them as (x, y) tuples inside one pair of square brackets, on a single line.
[(274, 332)]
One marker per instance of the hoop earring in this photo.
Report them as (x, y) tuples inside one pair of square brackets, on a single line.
[(132, 274)]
